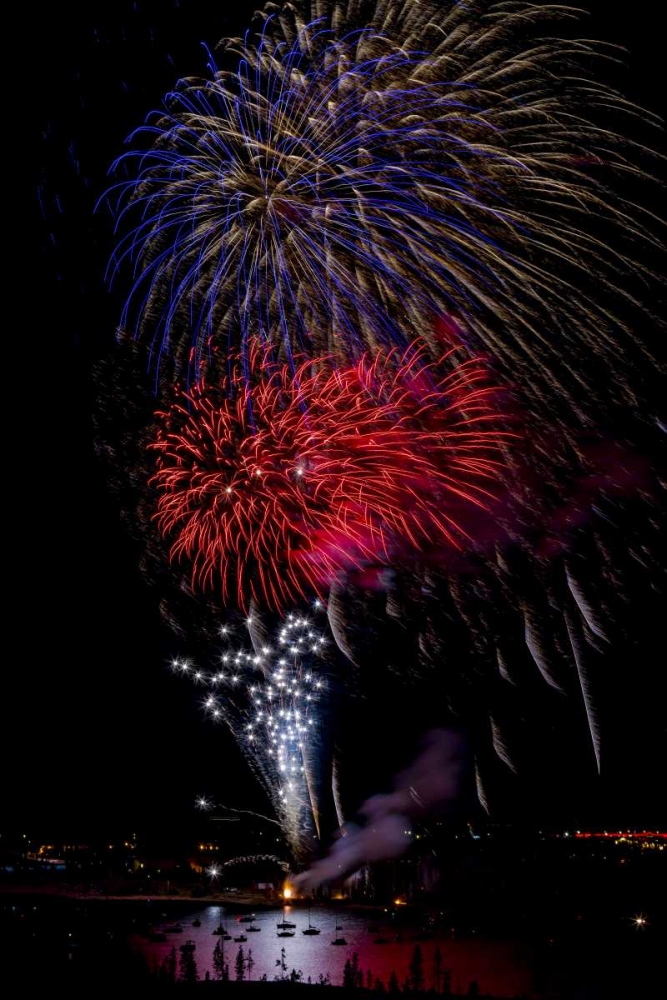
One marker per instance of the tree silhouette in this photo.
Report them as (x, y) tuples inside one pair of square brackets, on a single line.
[(353, 977), (168, 968), (219, 959), (282, 964), (240, 965), (416, 971), (437, 970), (188, 966)]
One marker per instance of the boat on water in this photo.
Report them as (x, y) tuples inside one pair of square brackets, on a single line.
[(338, 937), (311, 928), (241, 937), (286, 933), (188, 946), (196, 922), (219, 930), (285, 925), (252, 929), (248, 919)]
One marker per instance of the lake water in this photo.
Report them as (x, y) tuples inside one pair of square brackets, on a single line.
[(501, 967)]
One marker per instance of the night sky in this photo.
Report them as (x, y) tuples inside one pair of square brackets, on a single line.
[(98, 734)]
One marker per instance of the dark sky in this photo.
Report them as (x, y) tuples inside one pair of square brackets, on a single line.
[(98, 733)]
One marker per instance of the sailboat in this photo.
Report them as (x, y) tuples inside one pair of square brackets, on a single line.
[(310, 929), (339, 939), (285, 925), (222, 931)]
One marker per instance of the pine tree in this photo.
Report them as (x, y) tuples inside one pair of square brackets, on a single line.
[(282, 964), (437, 969), (369, 979), (249, 963), (416, 971), (356, 972), (379, 986), (188, 966), (393, 982), (168, 969), (240, 965), (447, 982), (219, 959), (353, 976)]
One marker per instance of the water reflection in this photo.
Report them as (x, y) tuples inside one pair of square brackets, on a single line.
[(500, 967)]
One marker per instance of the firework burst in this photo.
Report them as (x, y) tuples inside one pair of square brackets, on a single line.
[(369, 164), (356, 174), (274, 701), (229, 479), (270, 487)]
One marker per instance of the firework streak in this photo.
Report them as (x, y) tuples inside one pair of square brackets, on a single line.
[(279, 484), (272, 699), (354, 167)]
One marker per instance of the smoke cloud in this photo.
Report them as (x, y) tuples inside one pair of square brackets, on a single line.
[(430, 785)]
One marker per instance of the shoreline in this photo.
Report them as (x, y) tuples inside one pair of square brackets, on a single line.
[(240, 901)]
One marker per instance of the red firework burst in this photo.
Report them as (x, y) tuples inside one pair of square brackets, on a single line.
[(230, 482), (410, 452), (270, 486)]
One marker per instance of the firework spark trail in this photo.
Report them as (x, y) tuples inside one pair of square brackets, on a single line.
[(369, 164), (253, 859), (444, 171), (271, 488), (273, 701)]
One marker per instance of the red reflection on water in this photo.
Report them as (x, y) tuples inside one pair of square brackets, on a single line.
[(501, 967)]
